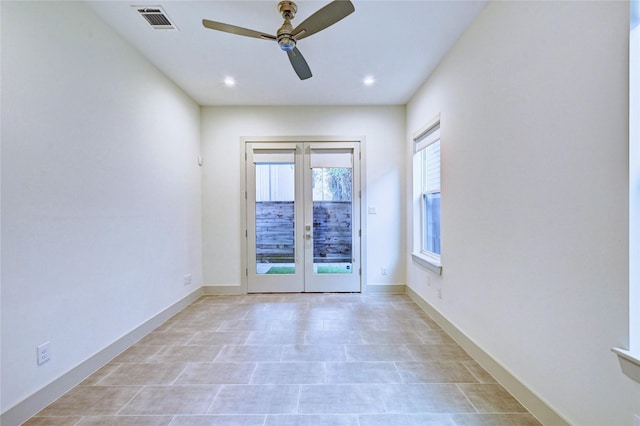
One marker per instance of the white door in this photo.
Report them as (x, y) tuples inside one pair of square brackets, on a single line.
[(303, 217)]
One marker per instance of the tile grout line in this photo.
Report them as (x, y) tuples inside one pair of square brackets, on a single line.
[(467, 398), (298, 400), (184, 369), (213, 400), (470, 372), (130, 399)]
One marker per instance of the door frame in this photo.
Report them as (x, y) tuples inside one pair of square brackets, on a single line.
[(244, 271)]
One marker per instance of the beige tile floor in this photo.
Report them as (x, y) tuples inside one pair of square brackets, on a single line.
[(295, 359)]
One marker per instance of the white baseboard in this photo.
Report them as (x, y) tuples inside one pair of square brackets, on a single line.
[(384, 289), (532, 402), (54, 390), (212, 290), (223, 290)]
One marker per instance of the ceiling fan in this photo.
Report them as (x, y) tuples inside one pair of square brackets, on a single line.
[(287, 36)]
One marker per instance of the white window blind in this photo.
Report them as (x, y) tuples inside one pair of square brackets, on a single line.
[(340, 158), (432, 173), (270, 156), (428, 137)]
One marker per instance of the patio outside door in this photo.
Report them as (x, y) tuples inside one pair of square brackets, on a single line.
[(303, 217)]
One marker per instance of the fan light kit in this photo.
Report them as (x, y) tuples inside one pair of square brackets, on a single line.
[(287, 36)]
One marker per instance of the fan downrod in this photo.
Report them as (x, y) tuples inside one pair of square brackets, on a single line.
[(287, 9)]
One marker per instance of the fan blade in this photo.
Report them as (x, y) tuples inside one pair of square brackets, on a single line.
[(236, 30), (326, 16), (299, 64)]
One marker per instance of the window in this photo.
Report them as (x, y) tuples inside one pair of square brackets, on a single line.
[(630, 358), (634, 175), (430, 217), (426, 172)]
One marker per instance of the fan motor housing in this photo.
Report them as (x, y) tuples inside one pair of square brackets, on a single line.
[(286, 42)]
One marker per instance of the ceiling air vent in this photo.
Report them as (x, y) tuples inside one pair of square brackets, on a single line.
[(156, 17)]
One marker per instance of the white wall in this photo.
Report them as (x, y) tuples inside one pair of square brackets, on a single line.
[(101, 215), (534, 104), (222, 129)]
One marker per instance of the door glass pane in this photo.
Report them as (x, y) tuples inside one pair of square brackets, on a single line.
[(332, 224), (275, 233)]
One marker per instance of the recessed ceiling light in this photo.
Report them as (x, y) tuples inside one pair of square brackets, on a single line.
[(369, 80), (229, 82)]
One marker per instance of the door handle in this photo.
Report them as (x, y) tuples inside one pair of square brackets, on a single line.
[(308, 235)]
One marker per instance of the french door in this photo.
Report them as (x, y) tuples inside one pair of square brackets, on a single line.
[(303, 217)]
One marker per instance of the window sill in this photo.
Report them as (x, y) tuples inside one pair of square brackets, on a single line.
[(629, 363), (426, 262)]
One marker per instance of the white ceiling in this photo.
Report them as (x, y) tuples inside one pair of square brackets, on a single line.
[(399, 43)]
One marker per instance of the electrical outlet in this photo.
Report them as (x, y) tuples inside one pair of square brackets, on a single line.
[(44, 353), (383, 271), (187, 280)]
